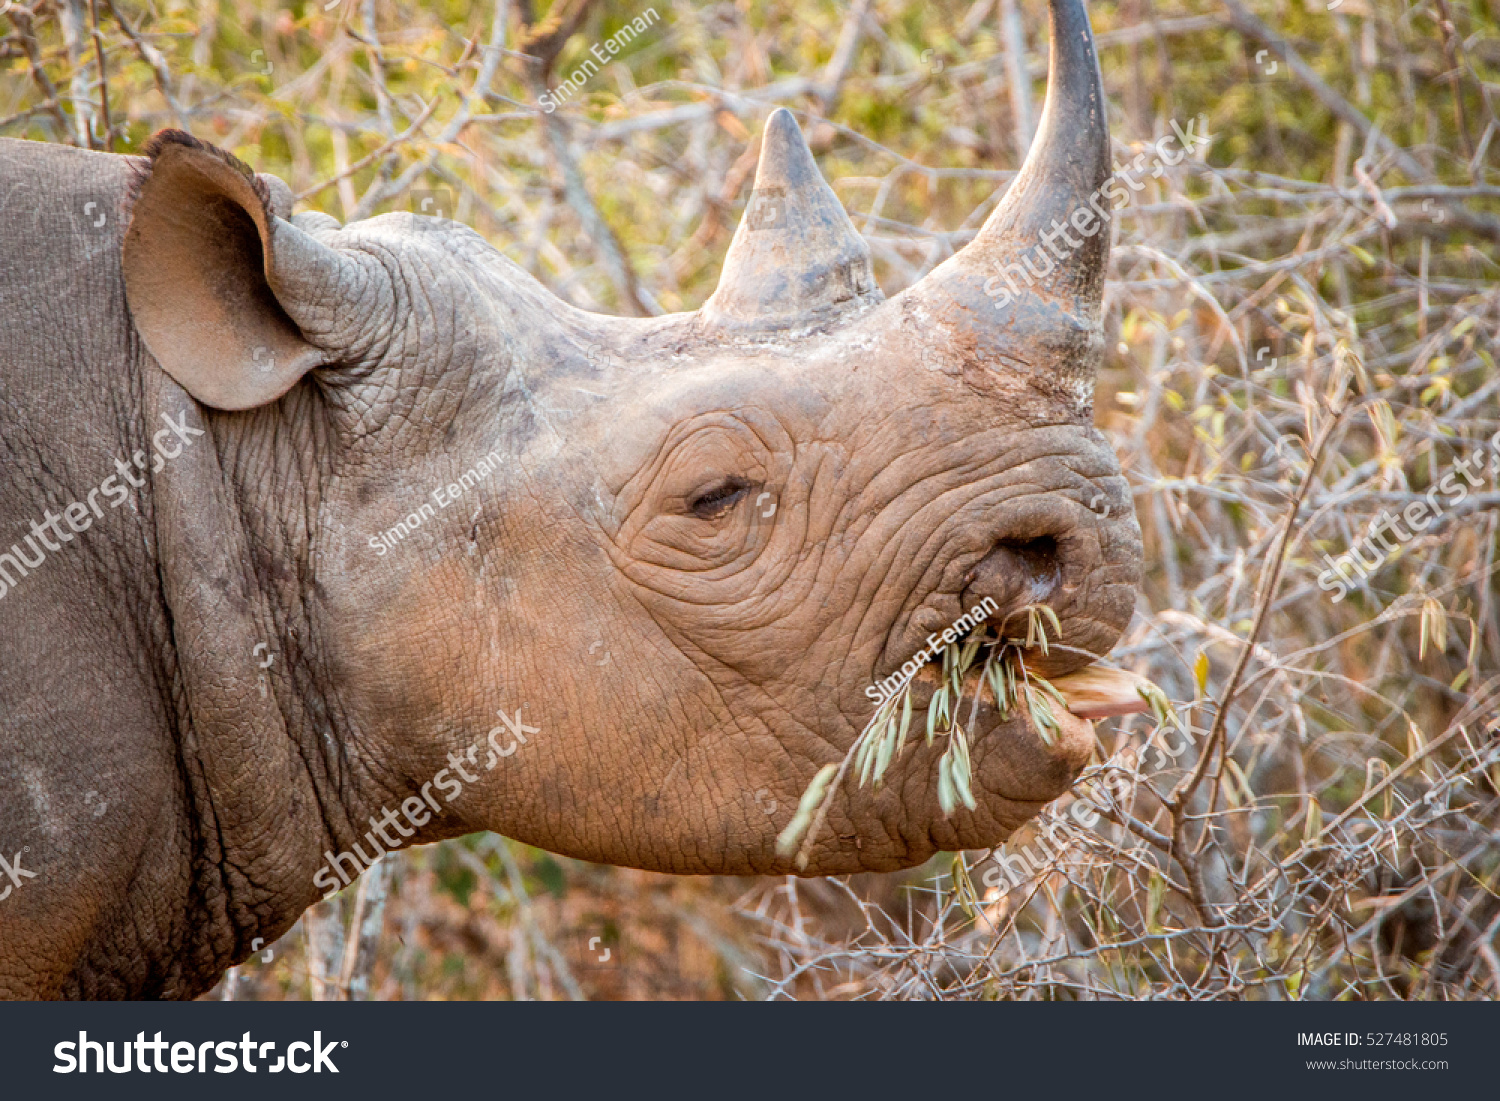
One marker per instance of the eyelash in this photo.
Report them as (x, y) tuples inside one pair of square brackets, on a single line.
[(719, 500)]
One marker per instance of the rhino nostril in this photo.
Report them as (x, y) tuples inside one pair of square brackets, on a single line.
[(1040, 555), (1015, 573)]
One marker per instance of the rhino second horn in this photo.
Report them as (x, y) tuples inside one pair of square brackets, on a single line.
[(796, 261)]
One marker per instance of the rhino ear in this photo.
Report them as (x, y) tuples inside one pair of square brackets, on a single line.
[(216, 279)]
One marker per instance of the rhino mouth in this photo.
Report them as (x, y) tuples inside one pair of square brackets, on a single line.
[(1093, 692), (1013, 758)]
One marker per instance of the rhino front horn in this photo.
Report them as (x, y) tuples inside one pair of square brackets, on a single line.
[(796, 261), (1027, 289)]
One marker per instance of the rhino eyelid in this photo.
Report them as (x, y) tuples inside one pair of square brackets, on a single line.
[(713, 502)]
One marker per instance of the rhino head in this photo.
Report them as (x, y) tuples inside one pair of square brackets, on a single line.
[(671, 552)]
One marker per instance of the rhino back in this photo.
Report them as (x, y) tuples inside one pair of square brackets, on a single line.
[(90, 795)]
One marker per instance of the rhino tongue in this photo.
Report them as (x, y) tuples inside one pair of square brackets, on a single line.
[(1099, 693)]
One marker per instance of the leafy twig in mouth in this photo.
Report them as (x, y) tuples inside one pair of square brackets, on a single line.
[(884, 736)]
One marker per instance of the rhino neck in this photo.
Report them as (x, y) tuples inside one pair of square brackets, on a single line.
[(273, 778)]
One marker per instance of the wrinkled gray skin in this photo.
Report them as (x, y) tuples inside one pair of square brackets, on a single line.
[(687, 656)]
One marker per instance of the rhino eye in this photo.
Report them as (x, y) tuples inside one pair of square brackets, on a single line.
[(719, 499)]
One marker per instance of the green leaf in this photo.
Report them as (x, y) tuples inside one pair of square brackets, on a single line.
[(961, 769), (966, 655), (864, 756), (905, 721), (1312, 829), (1161, 707), (887, 748), (791, 837), (1040, 709), (935, 713), (947, 798), (994, 673), (963, 887)]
